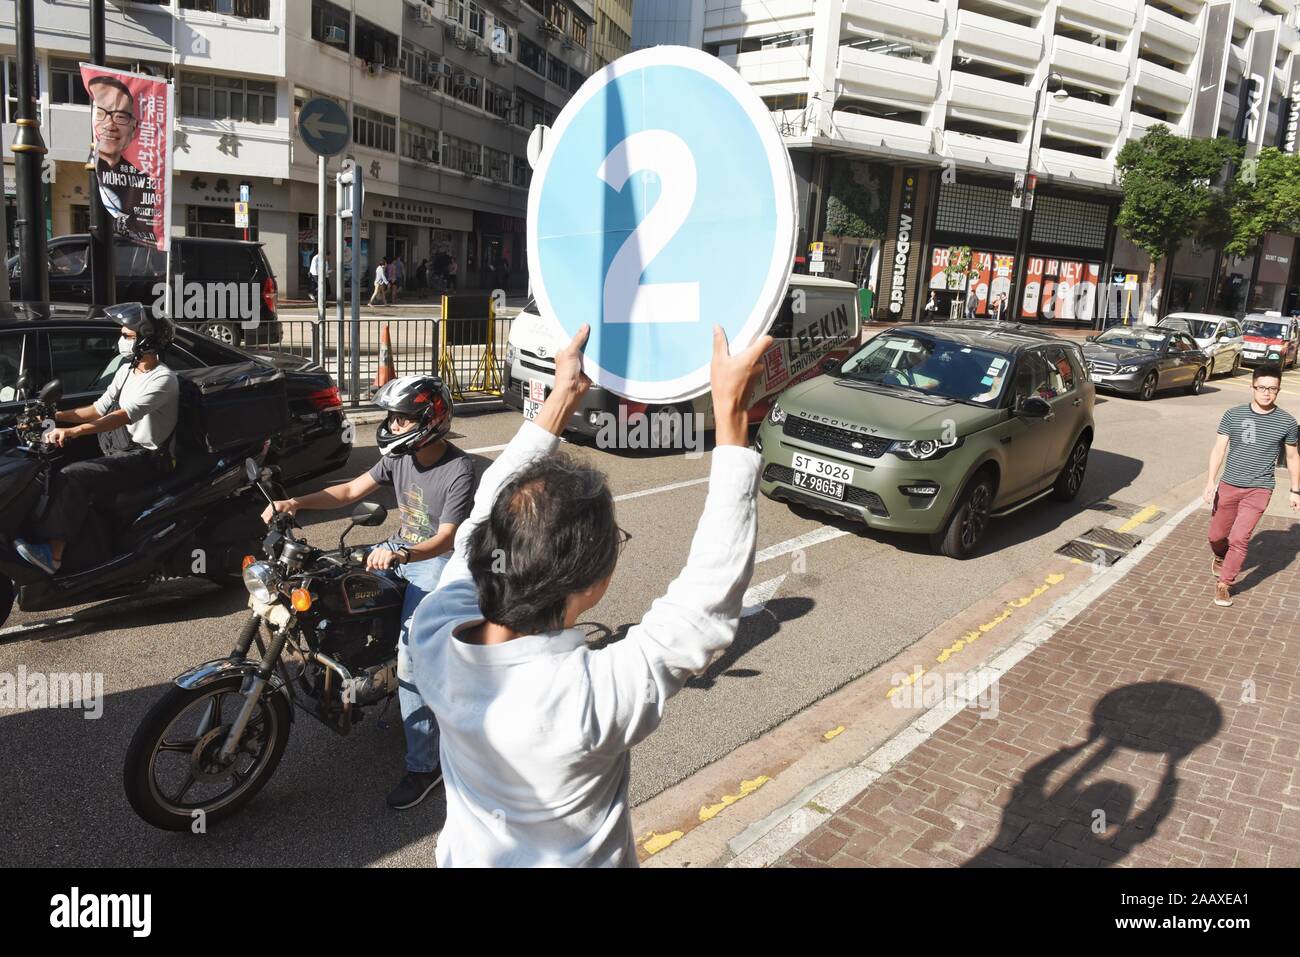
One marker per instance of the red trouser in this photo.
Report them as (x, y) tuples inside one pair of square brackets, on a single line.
[(1232, 522)]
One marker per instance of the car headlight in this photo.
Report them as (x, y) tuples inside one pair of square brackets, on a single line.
[(512, 353), (777, 415), (259, 579), (920, 449), (1125, 370)]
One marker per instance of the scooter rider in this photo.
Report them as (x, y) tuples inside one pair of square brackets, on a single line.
[(433, 482), (134, 419)]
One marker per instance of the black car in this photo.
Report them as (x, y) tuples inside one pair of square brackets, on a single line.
[(1141, 361), (78, 346), (202, 267)]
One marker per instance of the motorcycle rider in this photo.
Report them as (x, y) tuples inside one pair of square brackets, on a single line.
[(135, 420), (433, 482)]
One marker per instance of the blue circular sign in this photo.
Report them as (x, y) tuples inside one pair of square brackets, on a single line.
[(663, 203), (323, 126)]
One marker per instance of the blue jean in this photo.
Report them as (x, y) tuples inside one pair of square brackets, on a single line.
[(419, 722)]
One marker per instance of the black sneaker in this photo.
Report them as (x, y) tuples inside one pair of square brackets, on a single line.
[(414, 788)]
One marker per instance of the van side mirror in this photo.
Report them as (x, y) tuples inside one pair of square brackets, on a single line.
[(830, 364)]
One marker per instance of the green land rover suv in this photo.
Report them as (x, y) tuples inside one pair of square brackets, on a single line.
[(934, 430)]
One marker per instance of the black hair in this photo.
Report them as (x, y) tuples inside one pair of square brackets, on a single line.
[(1266, 371), (116, 84), (551, 533)]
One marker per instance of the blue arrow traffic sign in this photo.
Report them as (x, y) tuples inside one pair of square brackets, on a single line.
[(323, 126), (662, 203)]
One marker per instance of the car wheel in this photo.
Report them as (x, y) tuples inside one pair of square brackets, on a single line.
[(1195, 387), (222, 332), (1148, 389), (968, 522), (1070, 480)]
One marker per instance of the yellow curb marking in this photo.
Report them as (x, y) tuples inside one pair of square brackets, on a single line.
[(657, 842), (1140, 518), (909, 680), (746, 788), (971, 636), (833, 732)]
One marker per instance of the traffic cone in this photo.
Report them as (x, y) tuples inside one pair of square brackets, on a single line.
[(386, 372)]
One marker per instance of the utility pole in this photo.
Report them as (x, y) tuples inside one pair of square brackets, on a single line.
[(29, 158), (103, 279)]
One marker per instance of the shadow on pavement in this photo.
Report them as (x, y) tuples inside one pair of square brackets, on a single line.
[(1270, 552), (1097, 822)]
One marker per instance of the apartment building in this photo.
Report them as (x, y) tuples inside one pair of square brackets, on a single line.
[(916, 116), (442, 95), (613, 28)]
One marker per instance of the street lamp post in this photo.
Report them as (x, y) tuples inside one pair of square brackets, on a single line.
[(1016, 302), (29, 160), (103, 281)]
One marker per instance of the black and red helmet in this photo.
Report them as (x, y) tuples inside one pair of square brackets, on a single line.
[(420, 397)]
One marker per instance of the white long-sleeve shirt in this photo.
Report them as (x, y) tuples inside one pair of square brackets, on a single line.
[(536, 731)]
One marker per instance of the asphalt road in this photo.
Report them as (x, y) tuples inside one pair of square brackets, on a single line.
[(843, 606)]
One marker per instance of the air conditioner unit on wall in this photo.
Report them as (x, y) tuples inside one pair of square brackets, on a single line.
[(452, 31), (426, 15), (498, 58)]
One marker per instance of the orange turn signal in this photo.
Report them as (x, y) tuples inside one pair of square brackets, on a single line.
[(248, 560), (300, 598)]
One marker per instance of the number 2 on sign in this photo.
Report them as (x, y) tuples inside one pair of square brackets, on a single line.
[(625, 298)]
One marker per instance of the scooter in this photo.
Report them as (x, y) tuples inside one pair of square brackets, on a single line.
[(199, 520)]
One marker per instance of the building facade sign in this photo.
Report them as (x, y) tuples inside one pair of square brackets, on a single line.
[(903, 245)]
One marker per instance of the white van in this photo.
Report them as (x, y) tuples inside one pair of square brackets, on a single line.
[(818, 326)]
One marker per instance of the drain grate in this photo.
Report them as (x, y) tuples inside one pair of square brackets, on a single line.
[(1088, 552), (1109, 538)]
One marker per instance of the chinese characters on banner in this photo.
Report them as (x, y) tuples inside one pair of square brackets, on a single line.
[(131, 127)]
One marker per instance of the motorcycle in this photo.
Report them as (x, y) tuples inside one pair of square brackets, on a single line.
[(201, 519), (326, 631)]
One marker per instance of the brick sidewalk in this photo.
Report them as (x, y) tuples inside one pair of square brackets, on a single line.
[(1140, 709)]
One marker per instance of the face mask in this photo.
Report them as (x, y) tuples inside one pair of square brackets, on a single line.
[(125, 346)]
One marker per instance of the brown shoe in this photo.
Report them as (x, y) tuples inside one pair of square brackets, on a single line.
[(1222, 595), (1216, 566)]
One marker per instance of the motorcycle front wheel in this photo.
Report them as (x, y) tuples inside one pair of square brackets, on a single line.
[(174, 777)]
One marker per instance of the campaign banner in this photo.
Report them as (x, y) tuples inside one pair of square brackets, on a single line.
[(1033, 288), (131, 128), (1004, 266)]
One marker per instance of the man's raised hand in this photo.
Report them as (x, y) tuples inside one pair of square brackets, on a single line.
[(571, 383), (732, 378)]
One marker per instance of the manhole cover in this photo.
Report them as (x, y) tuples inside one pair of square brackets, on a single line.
[(1121, 541), (1088, 552)]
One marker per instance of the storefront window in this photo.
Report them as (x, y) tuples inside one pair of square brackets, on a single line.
[(1060, 290), (994, 272)]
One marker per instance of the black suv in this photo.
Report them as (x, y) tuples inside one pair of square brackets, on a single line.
[(141, 272)]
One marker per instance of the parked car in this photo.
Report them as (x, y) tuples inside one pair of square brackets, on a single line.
[(1270, 337), (934, 430), (1141, 360), (1219, 337), (140, 272), (76, 345)]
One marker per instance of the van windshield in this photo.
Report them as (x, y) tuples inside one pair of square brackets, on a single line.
[(936, 367)]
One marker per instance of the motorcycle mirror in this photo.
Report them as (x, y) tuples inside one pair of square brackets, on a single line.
[(369, 514), (51, 392), (250, 469)]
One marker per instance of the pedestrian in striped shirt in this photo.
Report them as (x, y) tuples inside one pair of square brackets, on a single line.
[(1250, 438)]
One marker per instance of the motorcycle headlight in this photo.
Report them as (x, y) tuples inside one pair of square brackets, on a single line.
[(777, 415), (1125, 370), (921, 449), (259, 579)]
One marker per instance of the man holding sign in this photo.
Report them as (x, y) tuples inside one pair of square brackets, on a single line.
[(536, 727)]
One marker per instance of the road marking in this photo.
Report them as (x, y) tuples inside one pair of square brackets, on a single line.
[(1140, 518), (657, 842), (909, 680), (759, 595), (833, 733), (710, 811), (824, 534), (1244, 386), (662, 488), (973, 635)]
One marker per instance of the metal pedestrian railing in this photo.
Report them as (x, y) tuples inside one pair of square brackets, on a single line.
[(464, 348)]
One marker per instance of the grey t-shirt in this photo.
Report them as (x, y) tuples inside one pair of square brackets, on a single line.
[(151, 401), (427, 497)]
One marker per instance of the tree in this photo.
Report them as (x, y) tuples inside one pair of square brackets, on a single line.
[(855, 207), (1169, 194), (1266, 198)]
